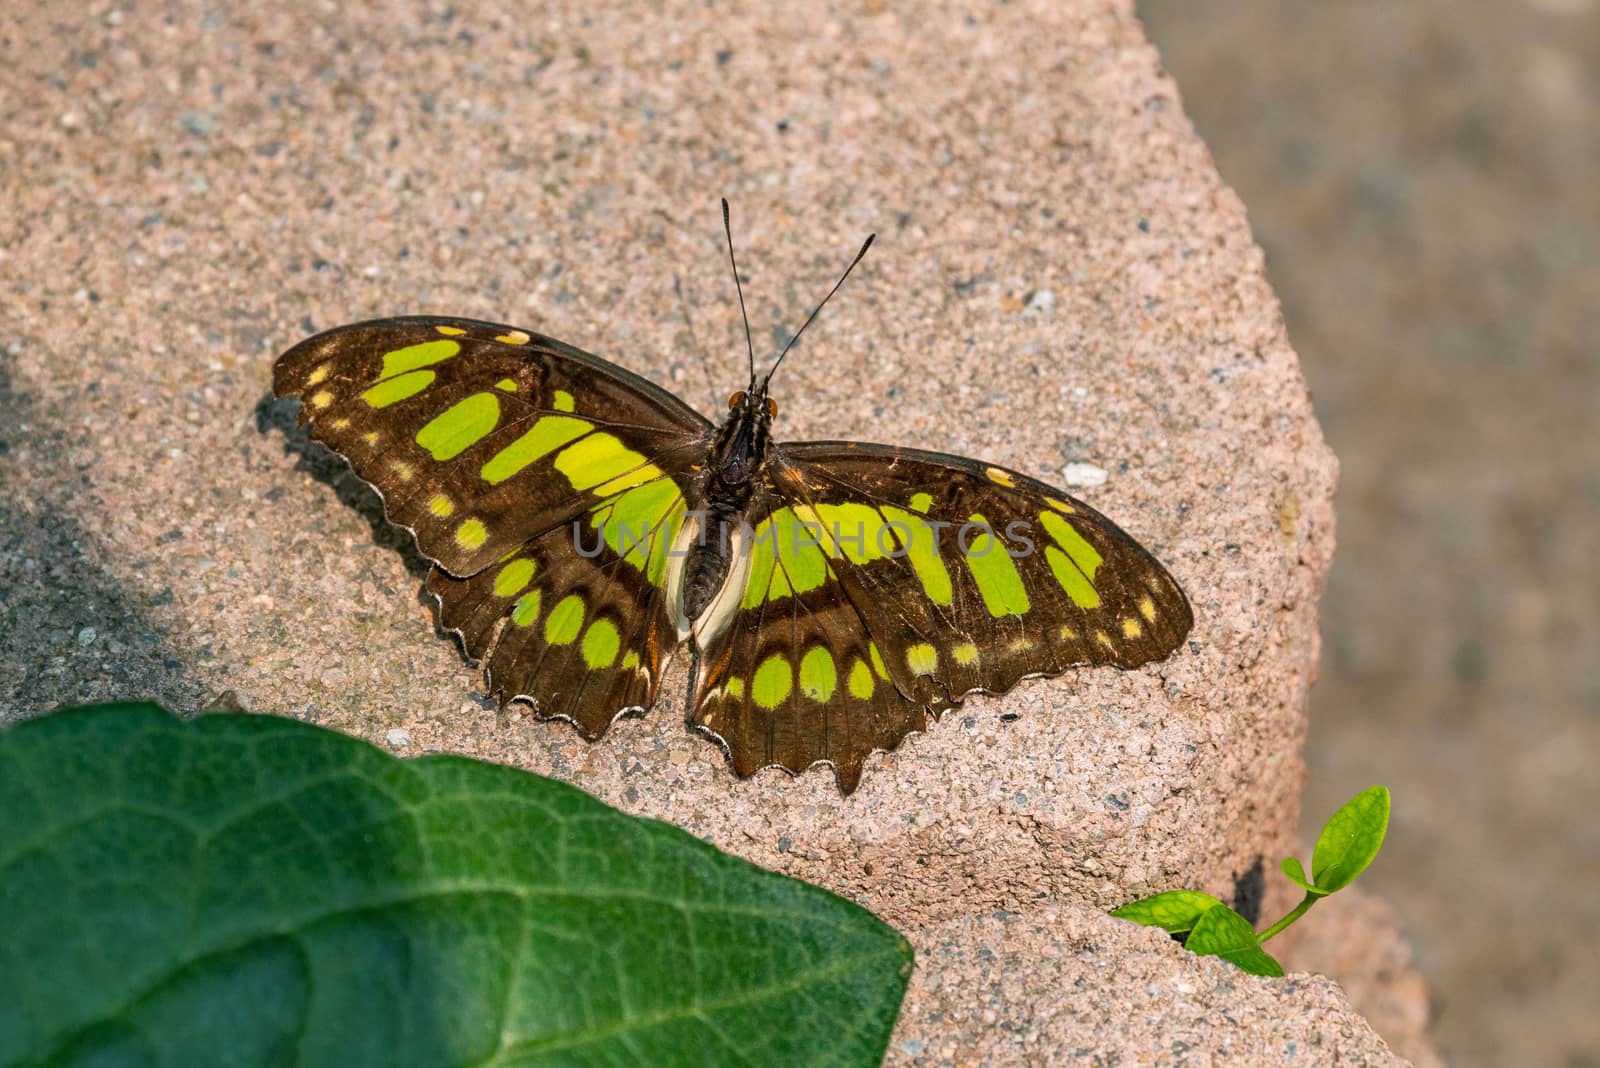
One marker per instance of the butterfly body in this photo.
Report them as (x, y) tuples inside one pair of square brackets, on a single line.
[(738, 455), (584, 524)]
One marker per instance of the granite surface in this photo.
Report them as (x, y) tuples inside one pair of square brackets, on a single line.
[(1061, 281)]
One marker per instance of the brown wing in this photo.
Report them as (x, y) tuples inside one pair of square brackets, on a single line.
[(576, 621), (480, 436), (940, 575)]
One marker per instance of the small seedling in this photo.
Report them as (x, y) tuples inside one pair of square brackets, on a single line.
[(1348, 843)]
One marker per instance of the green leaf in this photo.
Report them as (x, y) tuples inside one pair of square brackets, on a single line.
[(1174, 911), (1297, 875), (251, 890), (1222, 932), (1350, 840)]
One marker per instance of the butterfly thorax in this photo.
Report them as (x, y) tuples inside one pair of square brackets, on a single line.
[(737, 457)]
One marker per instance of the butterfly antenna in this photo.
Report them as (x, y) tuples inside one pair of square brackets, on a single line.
[(864, 246), (727, 228)]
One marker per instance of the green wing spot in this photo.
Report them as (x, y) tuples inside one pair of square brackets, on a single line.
[(734, 688), (996, 576), (922, 659), (412, 357), (786, 558), (630, 660), (561, 401), (544, 437), (854, 531), (632, 523), (921, 502), (595, 459), (1080, 589), (818, 677), (861, 684), (965, 653), (1086, 556), (526, 610), (601, 643), (877, 661), (772, 682), (513, 578), (921, 548), (471, 535), (665, 535), (461, 426), (565, 621), (394, 390)]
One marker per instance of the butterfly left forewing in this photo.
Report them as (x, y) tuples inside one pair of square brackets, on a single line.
[(480, 436)]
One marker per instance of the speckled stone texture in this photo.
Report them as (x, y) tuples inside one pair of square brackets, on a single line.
[(985, 992), (1060, 278)]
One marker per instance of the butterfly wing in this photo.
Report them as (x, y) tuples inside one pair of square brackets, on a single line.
[(544, 483), (472, 432), (932, 577)]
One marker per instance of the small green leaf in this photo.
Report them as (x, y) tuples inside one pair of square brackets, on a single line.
[(1222, 932), (261, 891), (1174, 911), (1297, 875), (1350, 840)]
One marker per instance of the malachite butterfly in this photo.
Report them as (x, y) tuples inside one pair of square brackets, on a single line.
[(584, 524)]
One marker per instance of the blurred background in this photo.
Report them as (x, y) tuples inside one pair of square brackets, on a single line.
[(1425, 179)]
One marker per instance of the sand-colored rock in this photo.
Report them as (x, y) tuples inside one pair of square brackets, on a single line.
[(1061, 985), (1060, 278)]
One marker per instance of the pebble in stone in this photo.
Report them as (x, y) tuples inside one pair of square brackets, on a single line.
[(398, 738), (1083, 474)]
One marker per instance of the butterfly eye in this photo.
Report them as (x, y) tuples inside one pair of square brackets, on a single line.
[(734, 401), (772, 408)]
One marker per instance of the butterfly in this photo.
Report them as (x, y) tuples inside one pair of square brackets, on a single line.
[(583, 524)]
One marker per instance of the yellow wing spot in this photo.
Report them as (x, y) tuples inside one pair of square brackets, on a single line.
[(1147, 608), (1061, 506), (1002, 478), (877, 661), (1068, 634), (965, 654), (1131, 628), (403, 471), (561, 401), (450, 331), (922, 659), (321, 399), (734, 688), (340, 424), (1104, 639), (630, 661), (526, 610), (441, 506), (370, 437), (506, 385), (861, 684), (471, 535), (1021, 645), (319, 376), (513, 337), (513, 578)]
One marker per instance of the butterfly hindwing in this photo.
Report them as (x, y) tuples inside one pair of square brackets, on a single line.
[(479, 436), (798, 678), (955, 576), (576, 620)]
